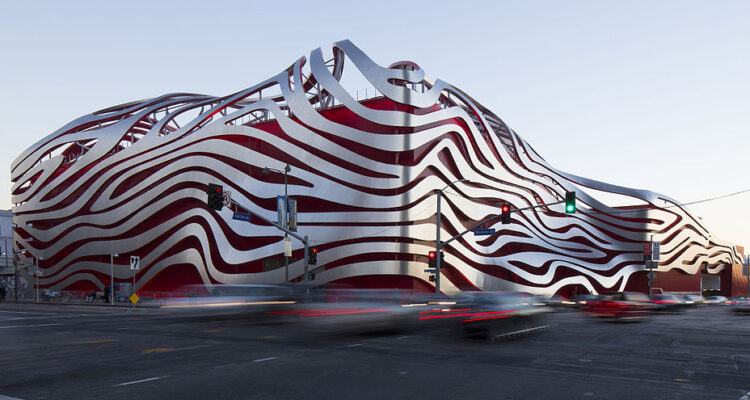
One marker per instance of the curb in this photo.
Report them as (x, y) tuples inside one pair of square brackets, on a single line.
[(80, 307)]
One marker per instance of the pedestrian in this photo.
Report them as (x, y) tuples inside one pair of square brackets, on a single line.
[(2, 293), (106, 294)]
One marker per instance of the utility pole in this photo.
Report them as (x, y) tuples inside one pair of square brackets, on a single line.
[(112, 277), (36, 264), (15, 276), (438, 243), (286, 171)]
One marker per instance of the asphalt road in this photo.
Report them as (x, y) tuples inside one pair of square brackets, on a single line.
[(54, 352)]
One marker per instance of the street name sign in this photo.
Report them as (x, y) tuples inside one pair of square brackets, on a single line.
[(484, 232), (430, 270), (241, 216)]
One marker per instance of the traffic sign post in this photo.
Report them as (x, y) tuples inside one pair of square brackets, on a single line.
[(135, 265)]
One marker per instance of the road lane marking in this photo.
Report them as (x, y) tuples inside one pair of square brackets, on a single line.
[(140, 381), (403, 337), (268, 337), (28, 326), (354, 345), (96, 341), (213, 330), (264, 359), (157, 350)]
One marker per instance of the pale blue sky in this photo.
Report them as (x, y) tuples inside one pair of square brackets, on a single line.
[(652, 95)]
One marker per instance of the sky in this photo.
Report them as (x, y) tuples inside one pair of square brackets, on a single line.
[(646, 94)]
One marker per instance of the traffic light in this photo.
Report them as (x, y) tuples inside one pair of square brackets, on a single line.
[(215, 197), (312, 256), (505, 216), (432, 278), (432, 262), (570, 202)]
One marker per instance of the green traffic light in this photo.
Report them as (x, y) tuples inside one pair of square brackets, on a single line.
[(570, 202)]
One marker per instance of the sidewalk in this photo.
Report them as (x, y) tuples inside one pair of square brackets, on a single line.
[(12, 305)]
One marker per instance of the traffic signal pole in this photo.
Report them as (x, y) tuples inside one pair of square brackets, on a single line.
[(303, 239), (439, 245), (494, 217)]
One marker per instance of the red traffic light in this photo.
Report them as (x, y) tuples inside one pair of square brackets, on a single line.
[(432, 254), (315, 250), (506, 208)]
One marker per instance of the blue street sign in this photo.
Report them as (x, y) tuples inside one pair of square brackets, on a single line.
[(430, 270), (241, 216), (480, 232)]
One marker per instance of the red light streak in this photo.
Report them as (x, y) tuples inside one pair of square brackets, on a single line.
[(468, 314)]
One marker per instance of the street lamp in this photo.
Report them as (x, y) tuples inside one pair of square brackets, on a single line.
[(267, 171), (112, 277), (36, 261), (438, 243)]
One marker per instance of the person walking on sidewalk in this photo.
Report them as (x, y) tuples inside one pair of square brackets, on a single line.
[(3, 292)]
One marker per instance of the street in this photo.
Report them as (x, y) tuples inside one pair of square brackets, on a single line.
[(98, 352)]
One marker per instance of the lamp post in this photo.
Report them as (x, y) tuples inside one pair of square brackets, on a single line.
[(266, 171), (36, 262), (438, 243), (15, 277), (112, 277)]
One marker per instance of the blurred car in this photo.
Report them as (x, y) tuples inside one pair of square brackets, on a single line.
[(622, 305), (557, 302), (495, 315), (586, 301), (667, 303), (716, 300), (243, 300), (740, 305), (351, 311), (692, 299)]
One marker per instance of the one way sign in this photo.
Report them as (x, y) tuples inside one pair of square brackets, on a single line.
[(135, 262)]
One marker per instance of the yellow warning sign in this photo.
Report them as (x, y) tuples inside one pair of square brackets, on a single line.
[(134, 298)]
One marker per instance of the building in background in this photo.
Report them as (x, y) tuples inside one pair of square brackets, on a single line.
[(366, 167), (7, 270)]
